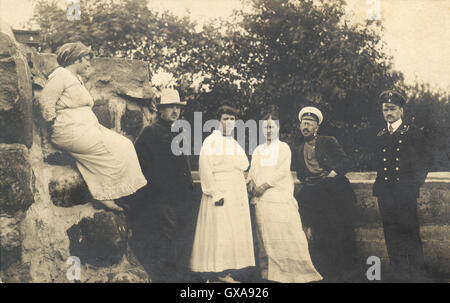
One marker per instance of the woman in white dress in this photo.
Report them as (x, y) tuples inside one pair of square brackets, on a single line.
[(223, 237), (106, 160), (283, 248)]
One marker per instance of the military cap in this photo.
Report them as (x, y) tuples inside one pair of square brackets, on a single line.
[(393, 97), (311, 112)]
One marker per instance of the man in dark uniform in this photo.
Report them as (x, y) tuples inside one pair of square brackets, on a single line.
[(326, 199), (163, 219), (401, 165)]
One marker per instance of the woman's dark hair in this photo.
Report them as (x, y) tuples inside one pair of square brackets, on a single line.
[(272, 114), (226, 109)]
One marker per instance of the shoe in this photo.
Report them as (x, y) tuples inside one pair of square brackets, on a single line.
[(107, 205), (227, 279)]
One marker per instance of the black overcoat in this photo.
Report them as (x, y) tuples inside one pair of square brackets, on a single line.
[(164, 213)]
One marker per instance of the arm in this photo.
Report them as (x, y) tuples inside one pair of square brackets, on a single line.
[(251, 174), (144, 152), (209, 186), (241, 161), (341, 163), (50, 95), (422, 161)]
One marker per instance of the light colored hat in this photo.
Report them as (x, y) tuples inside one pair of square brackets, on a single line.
[(311, 111), (170, 96)]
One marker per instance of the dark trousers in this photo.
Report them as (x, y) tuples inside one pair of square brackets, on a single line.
[(162, 238), (402, 232), (329, 210)]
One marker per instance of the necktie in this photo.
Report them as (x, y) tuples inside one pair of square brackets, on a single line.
[(391, 129)]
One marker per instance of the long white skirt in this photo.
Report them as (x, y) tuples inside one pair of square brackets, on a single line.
[(106, 160), (283, 247), (223, 236)]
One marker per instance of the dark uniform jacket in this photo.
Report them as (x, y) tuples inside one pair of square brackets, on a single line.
[(329, 155), (400, 161), (327, 205)]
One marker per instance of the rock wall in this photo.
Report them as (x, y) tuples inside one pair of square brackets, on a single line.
[(45, 211), (15, 91)]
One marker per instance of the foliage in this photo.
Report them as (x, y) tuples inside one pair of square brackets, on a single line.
[(275, 53), (430, 111)]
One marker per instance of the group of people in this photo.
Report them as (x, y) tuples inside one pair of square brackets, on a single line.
[(174, 238)]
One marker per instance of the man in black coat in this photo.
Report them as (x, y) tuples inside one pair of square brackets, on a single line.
[(326, 199), (163, 217), (401, 164)]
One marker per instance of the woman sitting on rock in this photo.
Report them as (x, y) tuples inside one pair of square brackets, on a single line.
[(107, 160)]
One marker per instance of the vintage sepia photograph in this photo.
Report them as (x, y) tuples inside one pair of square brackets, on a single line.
[(218, 142)]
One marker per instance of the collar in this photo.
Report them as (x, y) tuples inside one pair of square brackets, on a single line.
[(274, 142), (395, 125), (217, 132), (220, 133), (164, 123)]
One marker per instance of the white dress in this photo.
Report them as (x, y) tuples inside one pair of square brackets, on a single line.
[(283, 247), (223, 236), (106, 160)]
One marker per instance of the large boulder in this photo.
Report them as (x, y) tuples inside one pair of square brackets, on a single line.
[(123, 77), (42, 64), (16, 181), (10, 242), (124, 99), (132, 120), (67, 187), (100, 240), (15, 92)]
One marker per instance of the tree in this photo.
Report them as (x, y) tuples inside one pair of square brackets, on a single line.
[(305, 52), (274, 53), (430, 111)]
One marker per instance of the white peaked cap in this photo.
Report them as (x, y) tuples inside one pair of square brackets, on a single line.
[(308, 110)]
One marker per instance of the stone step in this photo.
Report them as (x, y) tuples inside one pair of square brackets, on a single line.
[(66, 186)]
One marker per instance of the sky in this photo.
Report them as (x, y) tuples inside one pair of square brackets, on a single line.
[(417, 32)]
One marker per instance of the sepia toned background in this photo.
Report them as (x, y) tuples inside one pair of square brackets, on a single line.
[(268, 54)]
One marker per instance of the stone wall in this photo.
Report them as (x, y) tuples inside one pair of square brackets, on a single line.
[(434, 217), (45, 210)]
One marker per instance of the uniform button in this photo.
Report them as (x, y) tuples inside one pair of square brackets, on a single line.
[(396, 168), (385, 168), (397, 159), (398, 179), (385, 178), (384, 150), (384, 159), (398, 149), (400, 141)]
